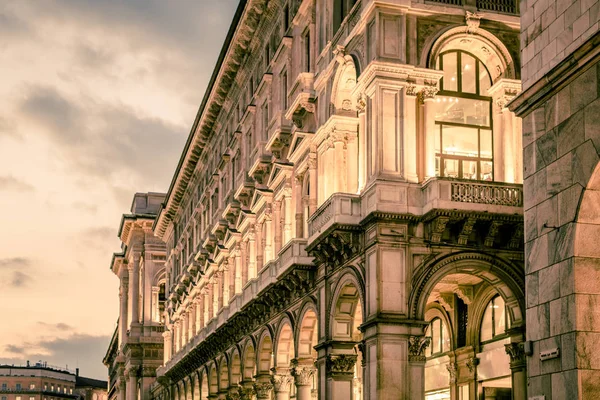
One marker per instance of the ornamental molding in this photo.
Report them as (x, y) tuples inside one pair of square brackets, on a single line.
[(416, 347), (472, 20), (281, 382)]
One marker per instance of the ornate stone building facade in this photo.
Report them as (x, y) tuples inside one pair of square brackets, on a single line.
[(560, 107), (346, 219), (136, 348)]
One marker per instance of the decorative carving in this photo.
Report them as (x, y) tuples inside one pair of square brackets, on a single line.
[(439, 226), (340, 364), (472, 20), (467, 228), (362, 347), (148, 372), (246, 393), (516, 352), (303, 375), (281, 382), (411, 90), (446, 300), (472, 364), (492, 233), (465, 293), (416, 347), (361, 103), (263, 390), (427, 92), (452, 372), (346, 105)]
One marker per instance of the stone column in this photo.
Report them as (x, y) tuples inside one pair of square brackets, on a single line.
[(184, 328), (134, 290), (410, 150), (238, 273), (312, 170), (176, 336), (340, 374), (282, 384), (122, 388), (167, 338), (192, 318), (131, 374), (277, 227), (123, 294), (303, 377), (155, 315), (205, 306), (267, 237), (263, 390), (427, 95), (416, 360), (246, 390), (299, 179), (339, 160), (215, 295), (361, 107), (287, 221), (518, 369), (225, 277), (259, 249)]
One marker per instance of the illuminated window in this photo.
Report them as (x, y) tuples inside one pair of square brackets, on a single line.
[(463, 143), (17, 397), (440, 339), (495, 320), (31, 397)]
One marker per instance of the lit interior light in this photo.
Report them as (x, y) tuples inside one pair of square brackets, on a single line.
[(467, 66), (453, 79)]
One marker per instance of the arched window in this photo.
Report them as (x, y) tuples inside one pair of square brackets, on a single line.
[(495, 320), (463, 142), (440, 338)]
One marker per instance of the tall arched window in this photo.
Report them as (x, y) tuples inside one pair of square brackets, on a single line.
[(463, 142), (495, 320), (440, 338)]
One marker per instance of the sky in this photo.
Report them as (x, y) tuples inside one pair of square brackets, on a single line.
[(97, 98)]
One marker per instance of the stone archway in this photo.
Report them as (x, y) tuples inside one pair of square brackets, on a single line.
[(204, 388), (304, 370), (344, 361), (284, 354), (223, 376), (455, 289)]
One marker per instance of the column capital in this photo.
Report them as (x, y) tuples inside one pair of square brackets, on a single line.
[(452, 372), (516, 352), (303, 374), (263, 389), (416, 347), (427, 93), (341, 364), (281, 382)]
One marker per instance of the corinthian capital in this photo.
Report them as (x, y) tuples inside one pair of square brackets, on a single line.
[(303, 375), (417, 346), (281, 382)]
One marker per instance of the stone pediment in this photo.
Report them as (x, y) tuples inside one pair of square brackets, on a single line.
[(261, 197), (231, 238), (261, 169), (279, 172), (245, 219), (231, 212), (244, 194)]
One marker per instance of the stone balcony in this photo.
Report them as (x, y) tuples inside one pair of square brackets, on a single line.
[(454, 198)]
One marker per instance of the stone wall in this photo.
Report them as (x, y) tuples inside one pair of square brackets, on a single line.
[(561, 139), (552, 29)]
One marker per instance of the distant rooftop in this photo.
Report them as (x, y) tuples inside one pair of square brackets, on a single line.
[(82, 382), (147, 203)]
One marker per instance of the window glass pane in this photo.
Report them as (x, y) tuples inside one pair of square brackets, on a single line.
[(461, 111), (451, 168), (485, 143), (469, 169), (437, 142), (445, 339), (435, 337), (499, 316), (428, 348), (468, 71), (486, 323), (460, 141), (437, 166), (486, 171), (450, 79), (484, 80)]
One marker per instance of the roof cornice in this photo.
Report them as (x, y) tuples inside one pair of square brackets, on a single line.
[(235, 48)]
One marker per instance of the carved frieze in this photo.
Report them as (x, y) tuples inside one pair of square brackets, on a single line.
[(263, 390)]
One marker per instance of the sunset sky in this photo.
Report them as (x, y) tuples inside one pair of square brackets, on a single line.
[(96, 101)]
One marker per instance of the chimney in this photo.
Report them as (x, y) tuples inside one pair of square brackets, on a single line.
[(77, 372), (28, 363)]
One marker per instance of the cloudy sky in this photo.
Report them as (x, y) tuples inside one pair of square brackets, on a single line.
[(96, 100)]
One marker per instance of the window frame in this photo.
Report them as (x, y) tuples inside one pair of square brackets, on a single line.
[(429, 334), (458, 93), (507, 322)]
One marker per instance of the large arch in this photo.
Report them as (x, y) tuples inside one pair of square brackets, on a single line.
[(483, 44), (344, 83), (204, 387), (249, 361), (223, 374), (235, 367), (264, 353), (347, 299), (506, 278), (284, 345), (307, 332), (213, 380)]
